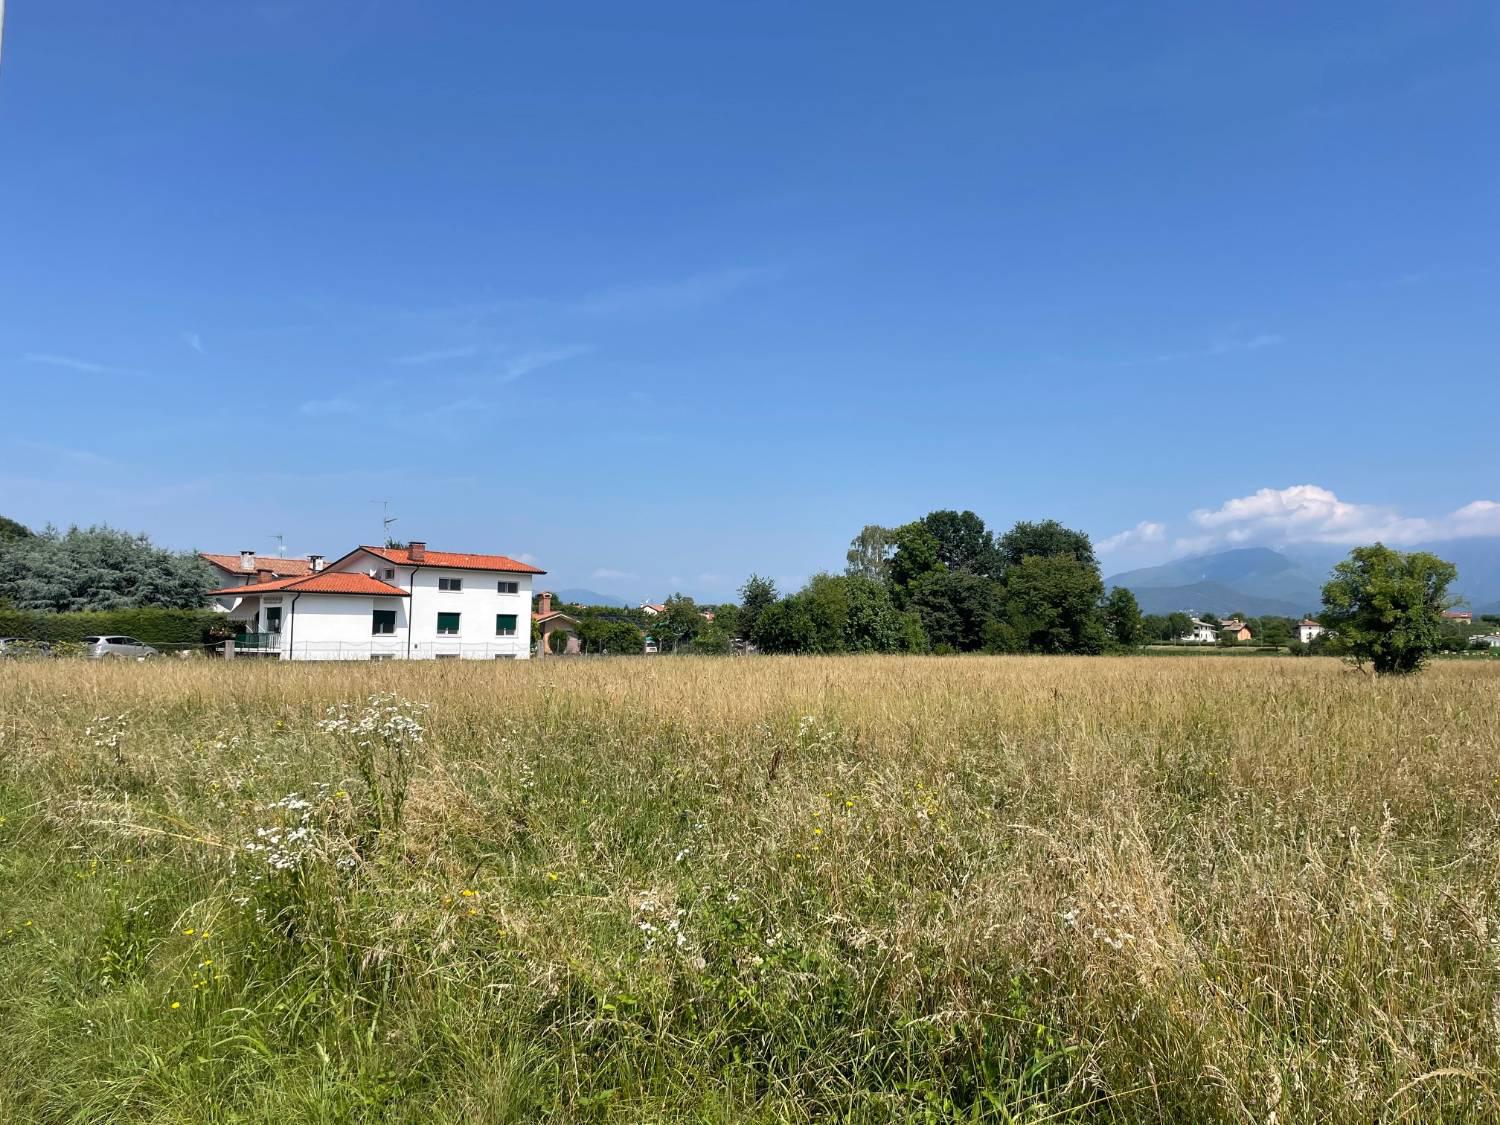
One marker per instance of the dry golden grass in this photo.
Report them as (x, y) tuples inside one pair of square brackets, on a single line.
[(873, 888)]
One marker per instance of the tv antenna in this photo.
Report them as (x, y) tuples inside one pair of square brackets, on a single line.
[(386, 519), (280, 544)]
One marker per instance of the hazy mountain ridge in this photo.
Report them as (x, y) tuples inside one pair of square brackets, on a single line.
[(1289, 582)]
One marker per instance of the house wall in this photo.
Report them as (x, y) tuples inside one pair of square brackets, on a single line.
[(477, 604), (337, 627)]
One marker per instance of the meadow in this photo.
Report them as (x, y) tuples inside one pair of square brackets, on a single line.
[(737, 890)]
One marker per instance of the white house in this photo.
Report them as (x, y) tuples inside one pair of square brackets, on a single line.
[(247, 567), (1488, 640), (389, 603), (1309, 630), (1203, 633)]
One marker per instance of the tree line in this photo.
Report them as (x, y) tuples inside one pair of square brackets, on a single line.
[(946, 583), (95, 568)]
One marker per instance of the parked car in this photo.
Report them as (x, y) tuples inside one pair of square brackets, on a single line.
[(18, 648), (122, 648)]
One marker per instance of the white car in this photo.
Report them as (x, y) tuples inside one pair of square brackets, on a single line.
[(118, 648)]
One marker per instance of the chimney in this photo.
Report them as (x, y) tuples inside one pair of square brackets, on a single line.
[(316, 561), (247, 560), (544, 602), (416, 550)]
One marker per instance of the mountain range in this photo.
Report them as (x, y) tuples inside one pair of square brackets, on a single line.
[(1288, 582), (579, 596)]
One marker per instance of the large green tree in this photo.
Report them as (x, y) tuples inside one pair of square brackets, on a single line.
[(99, 568), (955, 607), (963, 542), (869, 554), (1385, 608), (756, 596), (1052, 605), (917, 553), (1044, 539), (1122, 616)]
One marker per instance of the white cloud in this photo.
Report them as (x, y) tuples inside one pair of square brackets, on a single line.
[(1142, 533), (327, 407), (437, 355), (1309, 513), (673, 296), (194, 341), (607, 572), (51, 359), (528, 362)]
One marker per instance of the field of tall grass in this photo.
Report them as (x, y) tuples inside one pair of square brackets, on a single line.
[(768, 889)]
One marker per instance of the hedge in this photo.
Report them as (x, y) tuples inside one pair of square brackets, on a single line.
[(176, 627)]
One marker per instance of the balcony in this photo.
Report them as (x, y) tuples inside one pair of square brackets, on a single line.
[(257, 642)]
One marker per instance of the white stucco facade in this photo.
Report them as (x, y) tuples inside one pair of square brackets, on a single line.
[(436, 611)]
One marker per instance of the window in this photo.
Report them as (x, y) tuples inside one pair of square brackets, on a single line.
[(389, 573), (508, 587), (448, 624), (506, 656), (505, 624), (273, 619), (447, 656), (382, 656), (383, 623), (450, 583)]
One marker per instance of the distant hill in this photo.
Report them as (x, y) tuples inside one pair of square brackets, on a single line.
[(578, 596), (1257, 580), (1211, 597), (1289, 582)]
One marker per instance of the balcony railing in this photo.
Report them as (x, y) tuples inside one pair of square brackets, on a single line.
[(259, 642)]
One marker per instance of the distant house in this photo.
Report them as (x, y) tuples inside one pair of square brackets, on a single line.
[(550, 621), (388, 603), (1203, 633), (1235, 631), (1488, 640), (247, 567), (1309, 630), (653, 609), (1458, 616)]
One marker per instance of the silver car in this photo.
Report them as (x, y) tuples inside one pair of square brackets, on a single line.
[(123, 648)]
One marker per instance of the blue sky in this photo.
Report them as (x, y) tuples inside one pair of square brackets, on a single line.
[(661, 295)]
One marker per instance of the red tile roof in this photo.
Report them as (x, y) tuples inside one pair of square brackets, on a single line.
[(273, 564), (454, 560), (324, 582)]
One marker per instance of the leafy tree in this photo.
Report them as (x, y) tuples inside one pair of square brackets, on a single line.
[(713, 641), (1052, 605), (963, 542), (912, 638), (955, 607), (1275, 631), (1122, 616), (727, 619), (1181, 625), (1046, 540), (99, 568), (557, 641), (785, 626), (1210, 619), (620, 638), (1385, 607), (756, 596), (869, 553), (872, 622), (916, 554), (679, 621), (10, 529)]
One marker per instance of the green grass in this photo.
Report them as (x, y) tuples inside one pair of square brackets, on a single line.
[(862, 889)]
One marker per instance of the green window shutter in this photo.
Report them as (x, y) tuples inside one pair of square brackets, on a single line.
[(505, 624), (448, 623)]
